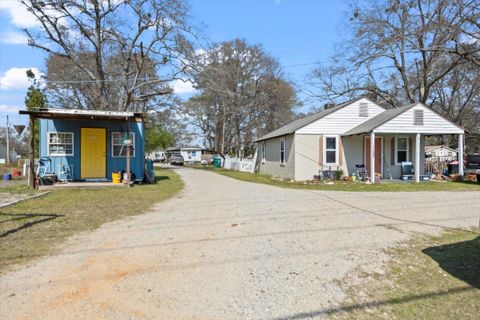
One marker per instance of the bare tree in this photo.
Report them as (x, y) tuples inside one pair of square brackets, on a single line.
[(132, 48), (242, 94)]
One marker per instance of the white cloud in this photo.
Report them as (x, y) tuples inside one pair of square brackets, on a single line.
[(182, 87), (19, 15), (9, 109), (16, 78), (13, 37)]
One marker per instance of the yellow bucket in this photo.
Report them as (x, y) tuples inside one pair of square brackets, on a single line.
[(116, 177)]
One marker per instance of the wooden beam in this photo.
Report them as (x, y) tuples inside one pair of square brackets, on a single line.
[(31, 153)]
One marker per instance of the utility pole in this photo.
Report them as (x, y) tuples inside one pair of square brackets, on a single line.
[(8, 141)]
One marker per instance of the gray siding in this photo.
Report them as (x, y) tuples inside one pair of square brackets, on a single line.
[(272, 165)]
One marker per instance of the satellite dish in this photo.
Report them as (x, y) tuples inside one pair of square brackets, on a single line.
[(19, 128)]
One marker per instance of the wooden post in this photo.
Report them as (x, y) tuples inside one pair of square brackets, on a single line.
[(8, 141), (417, 158), (372, 157), (129, 177), (31, 161)]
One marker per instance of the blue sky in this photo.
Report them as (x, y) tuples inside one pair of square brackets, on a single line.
[(297, 32)]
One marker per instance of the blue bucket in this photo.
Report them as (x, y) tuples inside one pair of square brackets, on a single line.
[(7, 177)]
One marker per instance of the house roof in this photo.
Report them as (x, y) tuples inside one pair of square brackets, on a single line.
[(387, 115), (300, 123), (377, 121), (76, 114)]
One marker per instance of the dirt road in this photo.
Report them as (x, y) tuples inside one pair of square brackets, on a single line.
[(225, 249)]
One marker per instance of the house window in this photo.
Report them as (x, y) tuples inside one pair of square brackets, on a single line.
[(282, 151), (60, 143), (418, 117), (264, 148), (401, 145), (118, 148), (363, 110), (330, 150)]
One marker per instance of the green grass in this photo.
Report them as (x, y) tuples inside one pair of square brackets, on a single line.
[(347, 185), (33, 228), (426, 278)]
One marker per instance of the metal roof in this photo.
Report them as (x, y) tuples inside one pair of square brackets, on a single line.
[(300, 123), (48, 113), (377, 121)]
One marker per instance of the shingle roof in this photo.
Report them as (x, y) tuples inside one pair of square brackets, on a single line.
[(300, 123), (377, 121)]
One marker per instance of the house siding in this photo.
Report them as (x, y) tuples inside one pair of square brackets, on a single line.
[(432, 123), (272, 165), (342, 120), (113, 164)]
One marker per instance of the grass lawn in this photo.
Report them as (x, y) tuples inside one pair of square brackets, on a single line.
[(426, 278), (348, 185), (33, 228)]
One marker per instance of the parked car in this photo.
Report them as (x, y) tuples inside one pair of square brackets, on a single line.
[(177, 159)]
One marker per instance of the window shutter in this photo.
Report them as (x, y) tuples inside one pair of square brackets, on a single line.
[(340, 151), (392, 151), (320, 148), (410, 149)]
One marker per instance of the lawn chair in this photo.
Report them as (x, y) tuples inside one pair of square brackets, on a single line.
[(361, 172), (65, 172), (43, 166), (408, 171)]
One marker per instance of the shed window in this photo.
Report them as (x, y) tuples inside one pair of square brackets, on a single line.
[(60, 143), (418, 117), (402, 149), (119, 149), (363, 110), (264, 148), (282, 151), (330, 150)]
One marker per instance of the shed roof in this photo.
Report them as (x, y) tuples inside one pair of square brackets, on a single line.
[(300, 123), (74, 114)]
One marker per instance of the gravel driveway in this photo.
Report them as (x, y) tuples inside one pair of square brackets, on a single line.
[(225, 249)]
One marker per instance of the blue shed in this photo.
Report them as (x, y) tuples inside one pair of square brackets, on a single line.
[(90, 142)]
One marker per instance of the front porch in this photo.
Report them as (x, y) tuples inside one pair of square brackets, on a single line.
[(396, 137)]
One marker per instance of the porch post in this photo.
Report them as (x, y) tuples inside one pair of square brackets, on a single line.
[(372, 157), (460, 153), (417, 158)]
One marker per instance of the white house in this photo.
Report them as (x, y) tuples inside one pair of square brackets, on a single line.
[(357, 132), (192, 154), (440, 153)]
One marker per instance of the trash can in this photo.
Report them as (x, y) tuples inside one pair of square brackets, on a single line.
[(217, 162), (7, 177), (453, 167)]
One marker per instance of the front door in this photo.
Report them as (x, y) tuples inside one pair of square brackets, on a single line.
[(93, 153), (378, 155)]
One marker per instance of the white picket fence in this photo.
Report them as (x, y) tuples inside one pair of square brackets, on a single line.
[(244, 165)]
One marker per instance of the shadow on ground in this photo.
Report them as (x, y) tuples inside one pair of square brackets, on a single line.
[(44, 217), (460, 259)]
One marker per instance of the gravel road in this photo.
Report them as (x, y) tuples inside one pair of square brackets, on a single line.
[(225, 249)]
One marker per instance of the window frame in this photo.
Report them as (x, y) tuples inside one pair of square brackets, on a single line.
[(49, 133), (407, 149), (325, 162), (113, 145), (264, 150), (284, 144)]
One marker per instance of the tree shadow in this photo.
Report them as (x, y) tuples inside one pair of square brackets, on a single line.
[(460, 259), (44, 218)]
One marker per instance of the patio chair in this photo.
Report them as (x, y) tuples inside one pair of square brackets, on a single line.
[(408, 171), (361, 172), (43, 166)]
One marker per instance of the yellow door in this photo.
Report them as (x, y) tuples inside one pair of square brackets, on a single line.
[(93, 150)]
